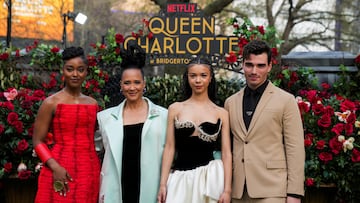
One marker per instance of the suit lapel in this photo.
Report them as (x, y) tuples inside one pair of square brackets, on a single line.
[(148, 121), (115, 133), (239, 115), (261, 105)]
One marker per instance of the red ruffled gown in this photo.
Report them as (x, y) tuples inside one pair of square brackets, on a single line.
[(74, 149)]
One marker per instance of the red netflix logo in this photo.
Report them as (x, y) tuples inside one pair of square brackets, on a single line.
[(181, 8)]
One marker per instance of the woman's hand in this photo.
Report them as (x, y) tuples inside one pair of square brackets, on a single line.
[(162, 194), (61, 179), (224, 198)]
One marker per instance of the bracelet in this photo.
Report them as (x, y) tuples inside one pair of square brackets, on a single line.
[(43, 152)]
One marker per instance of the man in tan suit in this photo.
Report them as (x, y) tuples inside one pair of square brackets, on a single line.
[(268, 139)]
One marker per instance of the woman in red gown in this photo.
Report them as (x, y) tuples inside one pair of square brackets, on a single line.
[(71, 169)]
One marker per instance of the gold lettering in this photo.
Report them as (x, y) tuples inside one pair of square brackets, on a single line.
[(175, 24), (207, 41), (177, 45), (168, 46), (210, 26), (189, 48), (233, 41), (221, 41), (195, 21), (184, 22), (156, 30), (155, 46)]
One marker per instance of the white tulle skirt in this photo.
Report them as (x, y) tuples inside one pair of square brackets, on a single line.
[(203, 184)]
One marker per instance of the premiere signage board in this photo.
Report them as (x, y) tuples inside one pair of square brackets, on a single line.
[(37, 19), (180, 32)]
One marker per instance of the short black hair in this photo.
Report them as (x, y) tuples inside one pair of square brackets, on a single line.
[(257, 47), (73, 52)]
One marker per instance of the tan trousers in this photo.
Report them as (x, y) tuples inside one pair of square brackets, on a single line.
[(246, 199)]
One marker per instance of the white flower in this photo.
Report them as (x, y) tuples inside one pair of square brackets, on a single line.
[(34, 153), (341, 138), (21, 167), (38, 167), (343, 116), (357, 124), (348, 144)]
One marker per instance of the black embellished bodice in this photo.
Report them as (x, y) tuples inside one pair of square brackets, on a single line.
[(195, 144)]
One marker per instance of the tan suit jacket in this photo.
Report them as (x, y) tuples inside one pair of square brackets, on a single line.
[(270, 155)]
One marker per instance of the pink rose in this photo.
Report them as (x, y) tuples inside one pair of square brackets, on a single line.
[(11, 94)]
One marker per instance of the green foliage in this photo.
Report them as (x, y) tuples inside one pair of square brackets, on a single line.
[(9, 73), (168, 89), (348, 83)]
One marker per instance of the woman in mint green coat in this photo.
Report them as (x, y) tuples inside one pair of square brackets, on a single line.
[(133, 135)]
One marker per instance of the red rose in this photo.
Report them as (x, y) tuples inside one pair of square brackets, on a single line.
[(355, 155), (309, 136), (117, 51), (349, 129), (347, 105), (9, 105), (261, 29), (55, 49), (242, 42), (119, 38), (12, 118), (150, 35), (18, 125), (335, 145), (4, 56), (351, 118), (17, 53), (317, 108), (8, 167), (2, 129), (325, 85), (325, 157), (309, 182), (39, 94), (23, 79), (26, 104), (24, 175), (311, 96), (31, 131), (324, 121), (231, 58), (320, 144), (303, 107), (338, 128), (22, 146), (329, 110), (307, 142)]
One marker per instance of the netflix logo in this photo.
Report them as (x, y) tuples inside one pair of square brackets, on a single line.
[(181, 8)]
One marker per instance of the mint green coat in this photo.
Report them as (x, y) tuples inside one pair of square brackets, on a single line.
[(152, 145)]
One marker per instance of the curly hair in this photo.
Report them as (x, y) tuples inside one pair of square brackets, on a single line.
[(73, 52), (212, 88), (133, 57), (257, 47)]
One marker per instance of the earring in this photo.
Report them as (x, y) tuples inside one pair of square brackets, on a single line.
[(144, 90), (121, 91)]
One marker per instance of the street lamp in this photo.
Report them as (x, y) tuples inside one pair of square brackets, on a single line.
[(73, 16)]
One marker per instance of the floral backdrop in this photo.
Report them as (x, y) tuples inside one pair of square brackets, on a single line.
[(330, 112)]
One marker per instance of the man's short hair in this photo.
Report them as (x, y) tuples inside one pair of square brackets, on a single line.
[(257, 47)]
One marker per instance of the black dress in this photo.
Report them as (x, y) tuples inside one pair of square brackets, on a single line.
[(194, 151), (130, 174)]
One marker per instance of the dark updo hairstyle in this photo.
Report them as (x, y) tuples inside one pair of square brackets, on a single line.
[(73, 52), (132, 58), (212, 89)]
